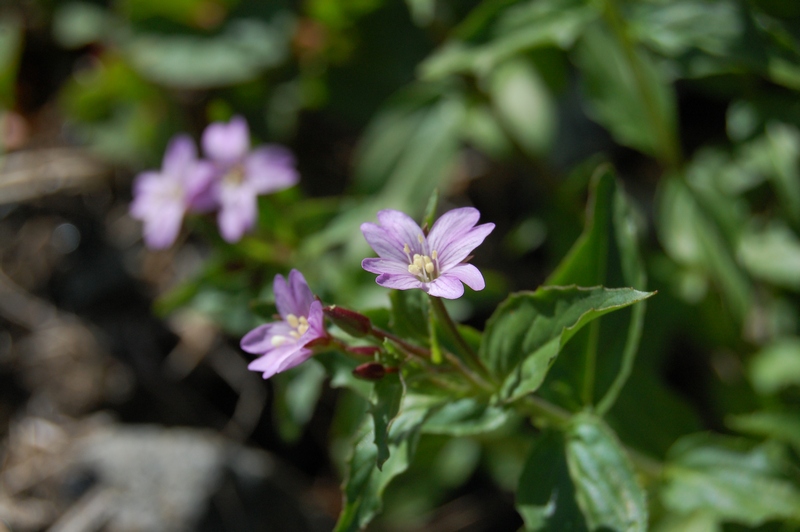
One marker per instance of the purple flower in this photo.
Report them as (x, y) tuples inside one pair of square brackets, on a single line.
[(244, 174), (409, 259), (160, 199), (283, 344)]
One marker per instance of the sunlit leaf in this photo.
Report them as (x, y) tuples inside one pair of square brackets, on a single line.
[(606, 487), (736, 482), (776, 366), (525, 334)]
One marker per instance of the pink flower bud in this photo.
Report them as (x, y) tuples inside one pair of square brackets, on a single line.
[(349, 321)]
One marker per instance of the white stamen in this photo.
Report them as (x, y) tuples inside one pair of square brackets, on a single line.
[(278, 340), (292, 320)]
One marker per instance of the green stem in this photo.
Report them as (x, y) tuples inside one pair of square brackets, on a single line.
[(421, 352), (469, 353)]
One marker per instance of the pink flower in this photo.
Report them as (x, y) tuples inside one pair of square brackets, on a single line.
[(433, 263), (243, 174), (283, 344), (160, 199)]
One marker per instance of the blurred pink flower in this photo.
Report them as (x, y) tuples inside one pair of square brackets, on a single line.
[(283, 344), (243, 174), (433, 263), (161, 198)]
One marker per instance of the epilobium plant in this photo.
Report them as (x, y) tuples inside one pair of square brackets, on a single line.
[(228, 181), (432, 375)]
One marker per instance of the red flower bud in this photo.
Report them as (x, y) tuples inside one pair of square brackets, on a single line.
[(349, 321), (364, 350), (370, 371)]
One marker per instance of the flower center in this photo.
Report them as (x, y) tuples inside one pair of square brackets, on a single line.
[(235, 176), (299, 327), (423, 267)]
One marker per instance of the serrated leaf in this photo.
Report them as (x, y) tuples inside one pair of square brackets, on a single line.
[(605, 483), (546, 495), (528, 330), (365, 483), (387, 396), (733, 480)]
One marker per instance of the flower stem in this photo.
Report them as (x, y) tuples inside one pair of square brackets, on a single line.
[(469, 353)]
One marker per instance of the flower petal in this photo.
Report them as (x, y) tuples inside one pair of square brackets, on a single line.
[(201, 194), (259, 340), (280, 359), (458, 249), (447, 287), (226, 143), (270, 168), (238, 211), (379, 266), (403, 229), (467, 274), (384, 243), (400, 281), (451, 225), (180, 154), (302, 297)]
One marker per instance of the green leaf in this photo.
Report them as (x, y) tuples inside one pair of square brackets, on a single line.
[(691, 238), (467, 417), (776, 366), (605, 483), (365, 484), (78, 24), (243, 51), (409, 314), (599, 361), (781, 426), (784, 143), (528, 330), (733, 480), (694, 522), (524, 105), (546, 494), (627, 94), (772, 255), (386, 399), (521, 28)]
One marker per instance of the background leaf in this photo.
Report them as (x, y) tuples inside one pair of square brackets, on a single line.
[(605, 484)]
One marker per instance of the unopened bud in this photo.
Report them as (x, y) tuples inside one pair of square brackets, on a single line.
[(349, 321), (365, 350), (370, 371)]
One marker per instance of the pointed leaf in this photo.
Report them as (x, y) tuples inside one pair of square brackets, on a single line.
[(605, 483), (386, 399), (365, 484), (527, 331)]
